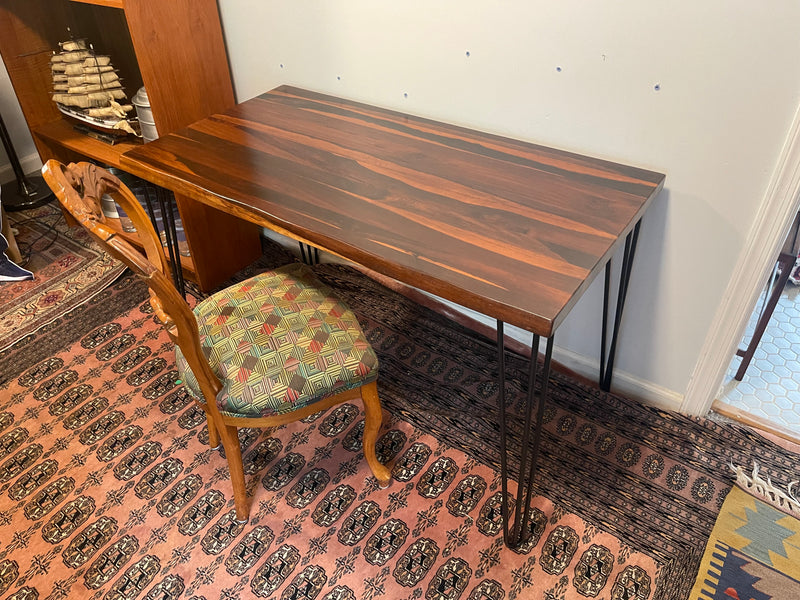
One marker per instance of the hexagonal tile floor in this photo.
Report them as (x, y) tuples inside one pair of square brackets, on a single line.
[(770, 387)]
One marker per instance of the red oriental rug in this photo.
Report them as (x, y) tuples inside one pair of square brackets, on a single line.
[(68, 269), (109, 490)]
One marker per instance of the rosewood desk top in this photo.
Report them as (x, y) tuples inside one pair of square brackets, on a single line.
[(514, 230)]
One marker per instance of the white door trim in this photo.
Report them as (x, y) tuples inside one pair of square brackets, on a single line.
[(755, 264)]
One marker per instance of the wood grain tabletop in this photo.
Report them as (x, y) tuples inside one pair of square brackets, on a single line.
[(514, 230)]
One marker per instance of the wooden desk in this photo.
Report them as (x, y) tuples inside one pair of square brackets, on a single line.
[(511, 229)]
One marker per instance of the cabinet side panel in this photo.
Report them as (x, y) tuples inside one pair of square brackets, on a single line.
[(220, 243), (26, 43), (182, 59), (106, 29)]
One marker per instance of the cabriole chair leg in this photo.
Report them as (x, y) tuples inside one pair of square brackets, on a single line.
[(213, 434), (372, 423), (233, 454)]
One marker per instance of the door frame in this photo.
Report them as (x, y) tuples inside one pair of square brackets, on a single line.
[(756, 262)]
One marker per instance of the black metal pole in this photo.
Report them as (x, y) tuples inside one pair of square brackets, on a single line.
[(31, 191), (624, 279), (165, 200), (516, 527), (501, 409)]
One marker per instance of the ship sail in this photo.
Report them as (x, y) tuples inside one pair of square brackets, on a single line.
[(86, 87)]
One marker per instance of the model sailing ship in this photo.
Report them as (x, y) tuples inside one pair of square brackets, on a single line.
[(87, 88)]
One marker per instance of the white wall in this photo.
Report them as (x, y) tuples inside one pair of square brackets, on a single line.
[(702, 91)]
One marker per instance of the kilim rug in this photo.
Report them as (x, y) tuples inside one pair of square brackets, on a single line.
[(68, 268), (754, 548), (107, 488)]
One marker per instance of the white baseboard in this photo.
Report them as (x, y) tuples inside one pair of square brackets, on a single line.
[(623, 383), (29, 164)]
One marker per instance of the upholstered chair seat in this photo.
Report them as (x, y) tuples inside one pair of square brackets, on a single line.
[(278, 342)]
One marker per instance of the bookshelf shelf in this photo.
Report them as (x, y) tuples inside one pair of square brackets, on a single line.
[(184, 69)]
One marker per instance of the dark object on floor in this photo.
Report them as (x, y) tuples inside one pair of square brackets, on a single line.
[(9, 271), (28, 191)]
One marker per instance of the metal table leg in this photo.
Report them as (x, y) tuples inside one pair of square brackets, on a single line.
[(165, 200), (785, 264), (517, 532), (607, 363), (309, 254)]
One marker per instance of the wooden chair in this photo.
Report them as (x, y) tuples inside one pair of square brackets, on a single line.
[(268, 351)]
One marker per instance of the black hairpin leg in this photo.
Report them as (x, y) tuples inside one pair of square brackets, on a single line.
[(517, 532), (148, 200), (165, 200), (309, 254), (607, 362)]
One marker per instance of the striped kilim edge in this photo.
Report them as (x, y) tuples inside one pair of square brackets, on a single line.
[(279, 341)]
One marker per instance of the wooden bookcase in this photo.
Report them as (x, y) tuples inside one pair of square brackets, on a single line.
[(175, 48)]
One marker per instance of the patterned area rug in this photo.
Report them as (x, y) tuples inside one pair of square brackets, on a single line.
[(120, 496), (68, 268), (754, 550), (107, 488), (654, 479)]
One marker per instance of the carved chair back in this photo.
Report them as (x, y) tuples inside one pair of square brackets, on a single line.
[(80, 188)]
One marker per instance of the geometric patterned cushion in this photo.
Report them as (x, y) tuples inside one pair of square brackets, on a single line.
[(279, 341)]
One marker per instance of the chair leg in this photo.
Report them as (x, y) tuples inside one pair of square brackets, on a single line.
[(372, 424), (213, 434), (233, 453)]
